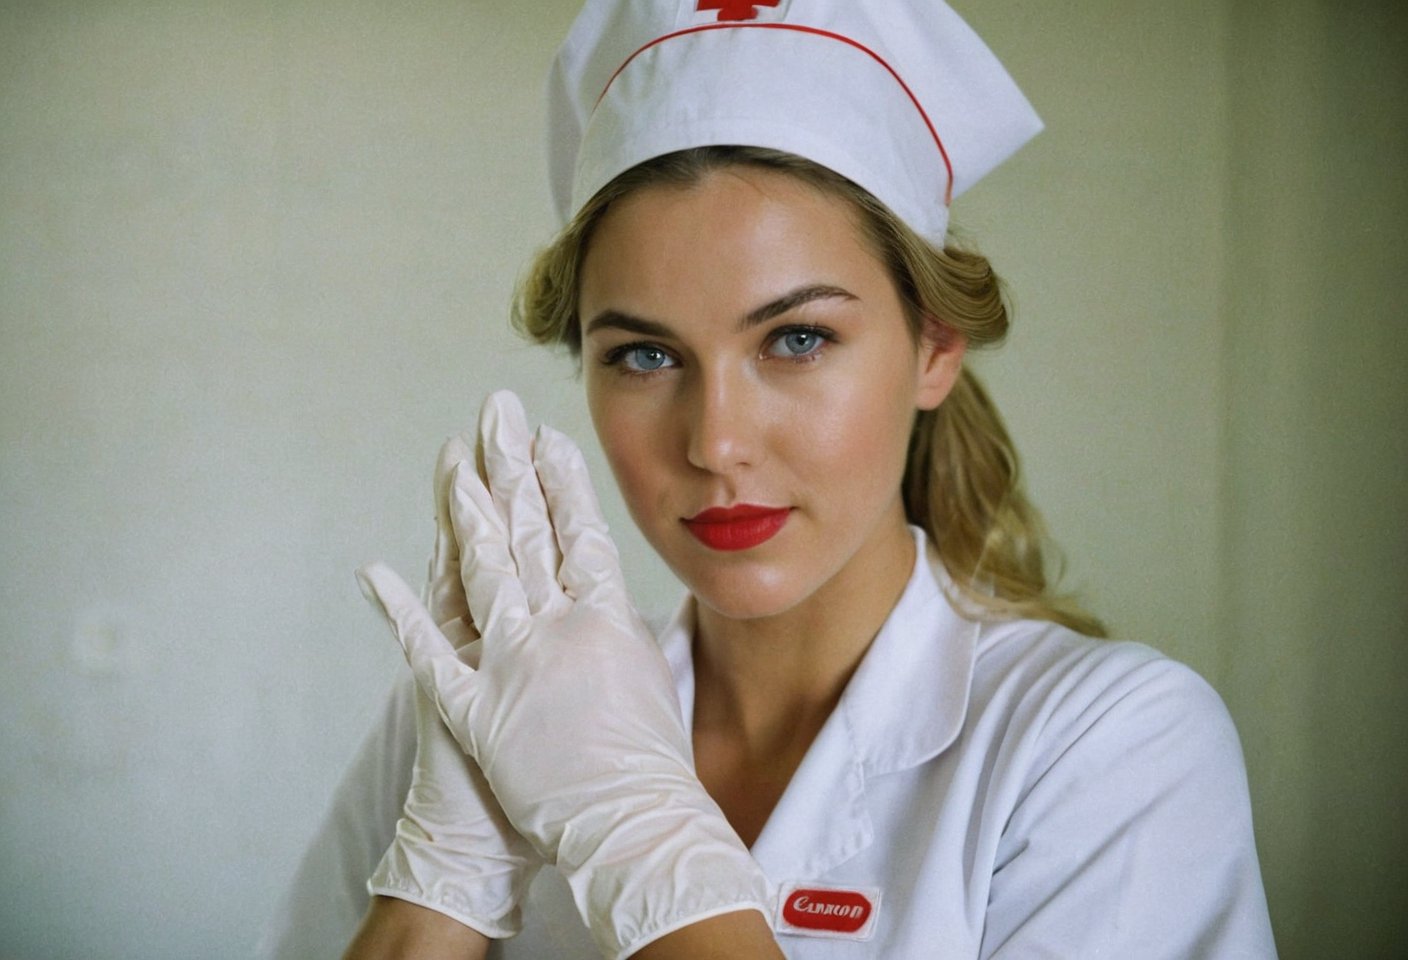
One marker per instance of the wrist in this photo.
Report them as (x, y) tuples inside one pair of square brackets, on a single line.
[(396, 929), (659, 867), (471, 887)]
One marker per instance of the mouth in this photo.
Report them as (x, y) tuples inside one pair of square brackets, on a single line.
[(737, 528)]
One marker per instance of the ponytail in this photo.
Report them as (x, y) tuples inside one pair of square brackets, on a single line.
[(962, 484)]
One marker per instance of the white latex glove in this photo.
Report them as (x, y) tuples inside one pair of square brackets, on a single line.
[(455, 851), (572, 711)]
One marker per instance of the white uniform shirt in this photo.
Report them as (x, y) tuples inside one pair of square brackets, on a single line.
[(996, 790)]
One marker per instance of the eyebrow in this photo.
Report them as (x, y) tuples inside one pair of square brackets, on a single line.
[(616, 320), (791, 301)]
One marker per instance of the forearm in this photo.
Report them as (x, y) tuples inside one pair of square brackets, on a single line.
[(399, 930), (741, 935)]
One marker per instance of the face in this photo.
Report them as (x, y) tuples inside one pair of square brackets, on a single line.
[(753, 379)]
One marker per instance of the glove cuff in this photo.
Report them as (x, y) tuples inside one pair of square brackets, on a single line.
[(483, 894), (661, 869)]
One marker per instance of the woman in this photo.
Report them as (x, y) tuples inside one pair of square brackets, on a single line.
[(873, 728)]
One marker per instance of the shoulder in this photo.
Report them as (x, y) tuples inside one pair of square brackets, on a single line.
[(1051, 680), (1119, 784), (328, 895), (1090, 736), (1116, 727)]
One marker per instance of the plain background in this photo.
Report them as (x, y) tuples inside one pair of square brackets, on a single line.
[(255, 260)]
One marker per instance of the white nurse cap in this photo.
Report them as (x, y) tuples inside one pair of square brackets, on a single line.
[(899, 96)]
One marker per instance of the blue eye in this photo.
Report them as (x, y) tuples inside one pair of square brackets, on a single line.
[(797, 343), (647, 358), (639, 358)]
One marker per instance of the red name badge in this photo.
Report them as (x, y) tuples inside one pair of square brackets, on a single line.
[(814, 910)]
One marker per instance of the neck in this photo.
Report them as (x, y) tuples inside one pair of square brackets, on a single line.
[(769, 681)]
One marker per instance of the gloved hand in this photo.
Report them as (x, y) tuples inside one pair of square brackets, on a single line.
[(455, 851), (571, 712)]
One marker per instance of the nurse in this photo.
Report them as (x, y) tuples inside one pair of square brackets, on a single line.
[(872, 729)]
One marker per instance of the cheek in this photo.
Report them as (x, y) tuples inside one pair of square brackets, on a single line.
[(860, 428), (628, 438), (632, 470)]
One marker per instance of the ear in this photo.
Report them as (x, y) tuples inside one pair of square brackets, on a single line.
[(939, 362)]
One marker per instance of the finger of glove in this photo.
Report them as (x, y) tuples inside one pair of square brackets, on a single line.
[(513, 483), (447, 680), (440, 760), (590, 563), (491, 584), (454, 845), (444, 589), (446, 778), (448, 788), (461, 633)]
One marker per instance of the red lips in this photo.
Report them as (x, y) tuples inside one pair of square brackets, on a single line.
[(737, 528)]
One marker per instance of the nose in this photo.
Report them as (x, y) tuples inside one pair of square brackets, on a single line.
[(725, 429)]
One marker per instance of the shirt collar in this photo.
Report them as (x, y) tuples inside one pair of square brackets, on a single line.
[(904, 704), (908, 697)]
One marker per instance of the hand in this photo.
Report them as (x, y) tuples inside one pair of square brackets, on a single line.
[(455, 851), (571, 710)]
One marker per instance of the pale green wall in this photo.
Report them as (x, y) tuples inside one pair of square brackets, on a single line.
[(1315, 606), (253, 267)]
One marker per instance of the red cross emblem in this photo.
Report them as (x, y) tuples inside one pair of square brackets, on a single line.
[(735, 9)]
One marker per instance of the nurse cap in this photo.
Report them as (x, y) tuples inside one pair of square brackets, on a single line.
[(898, 96)]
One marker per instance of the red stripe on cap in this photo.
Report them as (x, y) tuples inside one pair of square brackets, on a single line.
[(938, 142)]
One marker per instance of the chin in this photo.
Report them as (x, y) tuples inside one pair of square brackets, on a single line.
[(743, 591), (734, 607)]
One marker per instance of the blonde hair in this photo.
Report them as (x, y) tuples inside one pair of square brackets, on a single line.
[(961, 482)]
